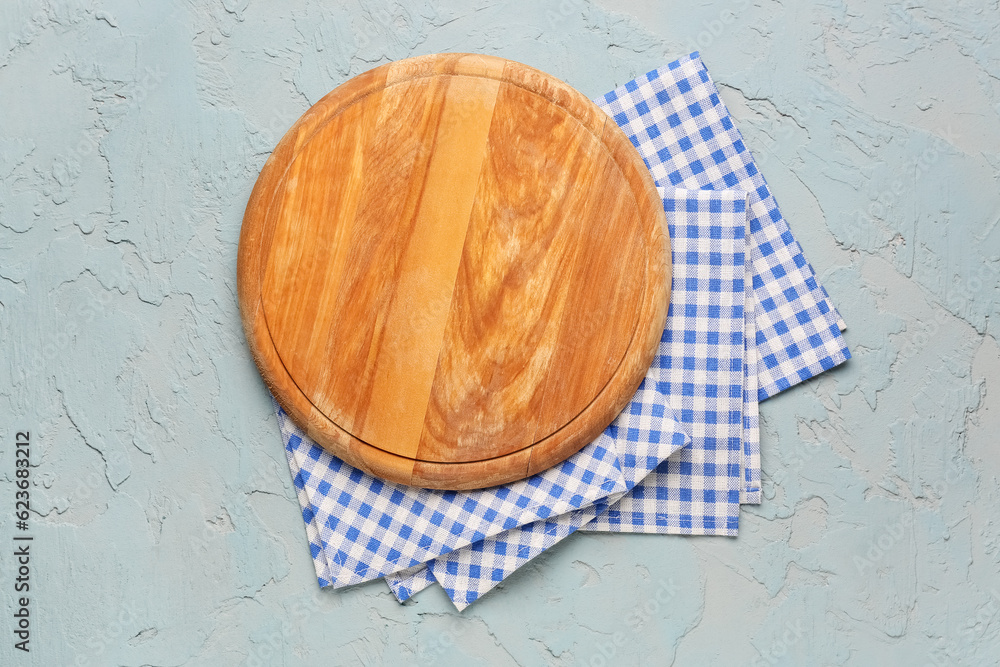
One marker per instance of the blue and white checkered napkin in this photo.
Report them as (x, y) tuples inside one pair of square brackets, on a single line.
[(676, 120), (747, 319), (362, 528)]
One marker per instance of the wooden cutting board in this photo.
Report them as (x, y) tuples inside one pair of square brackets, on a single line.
[(454, 271)]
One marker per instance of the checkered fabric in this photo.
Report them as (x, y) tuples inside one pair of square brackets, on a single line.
[(468, 573), (700, 369), (676, 120), (362, 528), (750, 494), (407, 583)]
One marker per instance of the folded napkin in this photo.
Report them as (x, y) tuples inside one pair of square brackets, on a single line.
[(362, 528), (676, 120), (747, 319), (700, 369)]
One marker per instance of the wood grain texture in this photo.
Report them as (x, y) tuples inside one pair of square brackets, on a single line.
[(453, 271)]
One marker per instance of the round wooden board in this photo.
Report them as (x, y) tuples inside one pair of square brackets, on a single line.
[(454, 271)]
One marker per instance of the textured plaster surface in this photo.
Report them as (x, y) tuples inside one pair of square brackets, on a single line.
[(166, 529)]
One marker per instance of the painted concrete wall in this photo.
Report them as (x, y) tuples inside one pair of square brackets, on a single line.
[(166, 531)]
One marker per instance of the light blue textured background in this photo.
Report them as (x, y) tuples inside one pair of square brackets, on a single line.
[(166, 529)]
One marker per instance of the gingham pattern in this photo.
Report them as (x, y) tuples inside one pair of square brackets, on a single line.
[(362, 528), (638, 434), (676, 120), (368, 527), (750, 494), (700, 369), (469, 573), (407, 583), (285, 426)]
